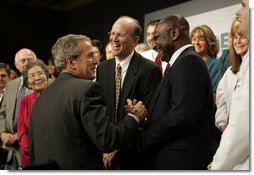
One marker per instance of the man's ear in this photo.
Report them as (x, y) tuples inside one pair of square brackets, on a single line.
[(71, 63), (136, 40), (175, 33)]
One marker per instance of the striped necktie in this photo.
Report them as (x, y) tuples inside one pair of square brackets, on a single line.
[(21, 94), (118, 80)]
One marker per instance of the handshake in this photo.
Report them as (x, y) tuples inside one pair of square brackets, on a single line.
[(136, 108)]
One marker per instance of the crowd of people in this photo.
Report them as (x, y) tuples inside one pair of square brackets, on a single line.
[(170, 104)]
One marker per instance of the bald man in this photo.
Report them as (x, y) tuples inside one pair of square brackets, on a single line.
[(8, 130)]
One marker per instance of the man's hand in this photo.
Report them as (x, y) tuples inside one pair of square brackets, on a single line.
[(136, 108), (222, 128), (108, 158), (209, 166), (8, 138)]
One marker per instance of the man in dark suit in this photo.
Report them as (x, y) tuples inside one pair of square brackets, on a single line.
[(179, 133), (140, 78), (70, 126)]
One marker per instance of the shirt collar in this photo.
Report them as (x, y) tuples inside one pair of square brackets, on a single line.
[(125, 63), (246, 55), (177, 53)]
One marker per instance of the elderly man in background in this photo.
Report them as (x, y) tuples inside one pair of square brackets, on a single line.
[(14, 92)]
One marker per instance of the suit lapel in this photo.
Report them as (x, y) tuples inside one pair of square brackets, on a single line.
[(111, 84), (165, 78), (156, 96), (11, 103)]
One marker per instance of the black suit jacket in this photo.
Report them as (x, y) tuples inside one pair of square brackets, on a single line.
[(141, 80), (180, 131), (70, 125)]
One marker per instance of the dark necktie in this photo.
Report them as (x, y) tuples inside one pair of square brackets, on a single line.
[(21, 94), (118, 86), (158, 61), (167, 68)]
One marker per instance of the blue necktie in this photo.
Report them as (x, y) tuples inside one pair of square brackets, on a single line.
[(21, 94)]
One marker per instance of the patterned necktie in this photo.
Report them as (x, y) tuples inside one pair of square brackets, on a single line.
[(21, 94), (158, 61), (118, 86), (167, 68)]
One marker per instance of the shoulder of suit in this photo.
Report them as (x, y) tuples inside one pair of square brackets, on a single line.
[(107, 63), (15, 82), (146, 61)]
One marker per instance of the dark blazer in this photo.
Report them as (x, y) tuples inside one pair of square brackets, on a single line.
[(70, 125), (180, 131), (141, 80)]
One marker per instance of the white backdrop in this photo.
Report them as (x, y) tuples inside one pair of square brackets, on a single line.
[(218, 20), (216, 14)]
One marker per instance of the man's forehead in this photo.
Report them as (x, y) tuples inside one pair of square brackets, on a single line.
[(25, 55), (2, 70), (161, 26)]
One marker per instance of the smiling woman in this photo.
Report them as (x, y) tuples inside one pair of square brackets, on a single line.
[(35, 76)]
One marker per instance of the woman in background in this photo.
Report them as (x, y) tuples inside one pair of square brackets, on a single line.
[(35, 76), (52, 69), (238, 47)]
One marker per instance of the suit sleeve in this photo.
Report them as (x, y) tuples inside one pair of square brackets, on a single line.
[(3, 126), (106, 135), (189, 83)]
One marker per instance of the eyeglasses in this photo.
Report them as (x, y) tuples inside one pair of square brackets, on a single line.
[(33, 75), (156, 37), (118, 35)]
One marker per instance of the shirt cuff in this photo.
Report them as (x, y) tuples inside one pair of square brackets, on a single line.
[(222, 124), (135, 117)]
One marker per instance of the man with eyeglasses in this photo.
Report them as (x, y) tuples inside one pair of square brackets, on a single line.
[(9, 110), (179, 133), (139, 78)]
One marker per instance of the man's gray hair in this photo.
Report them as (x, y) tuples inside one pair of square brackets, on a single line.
[(67, 46)]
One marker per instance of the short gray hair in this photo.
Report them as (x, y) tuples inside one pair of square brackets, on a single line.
[(67, 46)]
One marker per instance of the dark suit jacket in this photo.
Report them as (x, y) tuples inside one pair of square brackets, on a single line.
[(180, 131), (141, 80), (70, 125)]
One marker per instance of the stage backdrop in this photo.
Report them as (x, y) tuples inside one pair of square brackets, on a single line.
[(217, 15)]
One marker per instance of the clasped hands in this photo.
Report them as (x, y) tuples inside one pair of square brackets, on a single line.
[(9, 138), (139, 110), (136, 108)]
